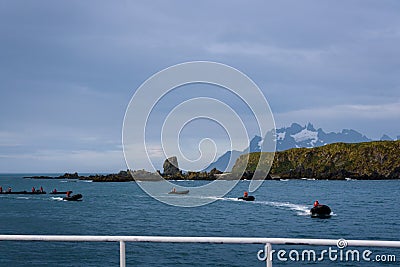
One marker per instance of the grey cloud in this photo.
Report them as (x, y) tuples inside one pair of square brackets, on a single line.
[(75, 64)]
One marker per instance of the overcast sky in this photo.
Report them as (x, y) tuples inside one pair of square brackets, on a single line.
[(69, 68)]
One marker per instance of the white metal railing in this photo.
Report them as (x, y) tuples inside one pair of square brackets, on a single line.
[(186, 239)]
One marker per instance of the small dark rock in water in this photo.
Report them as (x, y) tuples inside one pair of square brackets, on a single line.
[(38, 177), (122, 176), (142, 175)]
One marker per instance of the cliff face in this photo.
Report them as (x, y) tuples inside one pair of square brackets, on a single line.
[(171, 166), (370, 160)]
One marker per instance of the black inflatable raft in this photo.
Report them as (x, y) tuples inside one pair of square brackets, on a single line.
[(248, 198), (321, 211), (76, 197), (24, 193)]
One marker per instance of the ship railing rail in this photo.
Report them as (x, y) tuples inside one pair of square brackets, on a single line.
[(268, 242)]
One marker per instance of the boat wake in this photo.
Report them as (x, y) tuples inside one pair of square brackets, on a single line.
[(57, 198), (301, 210), (23, 198), (223, 198)]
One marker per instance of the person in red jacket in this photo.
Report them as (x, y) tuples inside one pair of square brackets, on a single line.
[(316, 203), (245, 194)]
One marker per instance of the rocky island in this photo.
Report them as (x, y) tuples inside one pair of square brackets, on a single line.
[(338, 161), (122, 176), (367, 161)]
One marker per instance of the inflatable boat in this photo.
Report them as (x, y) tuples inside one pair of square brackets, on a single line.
[(248, 198), (321, 211), (24, 193), (184, 192), (76, 197)]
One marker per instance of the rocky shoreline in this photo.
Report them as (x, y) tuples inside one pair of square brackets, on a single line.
[(207, 177), (122, 176), (339, 161)]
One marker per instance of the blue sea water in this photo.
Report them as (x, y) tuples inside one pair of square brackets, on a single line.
[(362, 210)]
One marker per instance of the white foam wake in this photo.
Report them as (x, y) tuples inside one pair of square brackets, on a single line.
[(23, 198), (223, 198), (302, 210)]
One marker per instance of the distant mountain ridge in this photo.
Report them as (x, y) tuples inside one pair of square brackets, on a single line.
[(294, 136), (297, 136)]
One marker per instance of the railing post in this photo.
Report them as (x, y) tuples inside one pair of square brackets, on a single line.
[(122, 259), (269, 255)]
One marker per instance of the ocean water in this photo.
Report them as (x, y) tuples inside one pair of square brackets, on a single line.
[(362, 210)]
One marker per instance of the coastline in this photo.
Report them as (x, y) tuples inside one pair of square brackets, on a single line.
[(117, 178), (338, 161)]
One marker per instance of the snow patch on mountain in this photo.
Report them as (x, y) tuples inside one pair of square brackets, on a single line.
[(280, 136), (304, 135)]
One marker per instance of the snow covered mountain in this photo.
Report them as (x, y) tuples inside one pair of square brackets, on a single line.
[(307, 136), (387, 138), (294, 136)]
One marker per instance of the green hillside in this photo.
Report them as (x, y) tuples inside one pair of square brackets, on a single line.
[(370, 160)]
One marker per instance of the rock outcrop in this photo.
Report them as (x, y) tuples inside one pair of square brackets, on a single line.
[(170, 166)]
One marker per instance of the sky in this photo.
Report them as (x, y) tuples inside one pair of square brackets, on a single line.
[(68, 69)]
